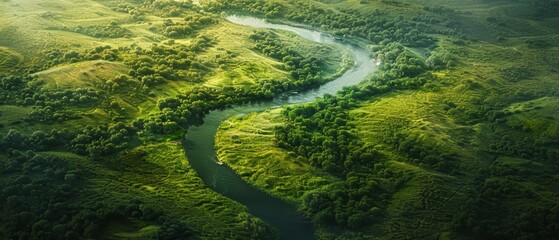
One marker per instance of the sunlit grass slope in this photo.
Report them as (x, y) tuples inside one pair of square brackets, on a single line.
[(247, 145), (45, 26), (494, 111), (159, 176), (38, 38)]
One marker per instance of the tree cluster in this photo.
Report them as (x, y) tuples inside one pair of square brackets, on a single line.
[(374, 27), (43, 197), (158, 63), (322, 133), (111, 30), (487, 215), (191, 24), (304, 70), (162, 8), (101, 140)]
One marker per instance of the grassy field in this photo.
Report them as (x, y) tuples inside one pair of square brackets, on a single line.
[(82, 74), (28, 37), (498, 68), (155, 173), (247, 145), (159, 176), (490, 114)]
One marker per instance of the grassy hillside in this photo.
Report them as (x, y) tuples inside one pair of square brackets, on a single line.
[(469, 154), (455, 137), (94, 95)]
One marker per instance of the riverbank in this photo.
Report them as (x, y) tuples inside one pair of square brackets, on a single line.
[(474, 144), (200, 141), (246, 144)]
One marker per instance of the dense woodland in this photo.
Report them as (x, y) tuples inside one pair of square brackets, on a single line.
[(46, 195)]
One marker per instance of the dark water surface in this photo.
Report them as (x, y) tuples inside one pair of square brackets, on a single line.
[(199, 143)]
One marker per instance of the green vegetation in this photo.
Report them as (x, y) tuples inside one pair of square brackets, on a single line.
[(284, 174), (455, 139), (9, 58), (92, 95), (150, 191)]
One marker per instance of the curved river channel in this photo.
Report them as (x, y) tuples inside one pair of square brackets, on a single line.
[(200, 140)]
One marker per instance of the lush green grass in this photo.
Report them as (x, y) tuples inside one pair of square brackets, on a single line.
[(498, 69), (156, 174), (159, 175), (81, 74), (247, 145), (9, 58), (231, 60), (538, 117), (499, 96)]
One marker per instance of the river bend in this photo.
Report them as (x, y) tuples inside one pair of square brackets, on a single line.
[(200, 140)]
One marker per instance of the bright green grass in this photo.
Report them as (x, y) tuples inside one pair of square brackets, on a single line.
[(34, 35), (249, 67), (128, 229), (159, 174), (246, 144), (9, 58), (539, 116), (426, 204), (81, 74)]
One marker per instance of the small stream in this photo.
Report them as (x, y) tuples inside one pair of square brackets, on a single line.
[(200, 140)]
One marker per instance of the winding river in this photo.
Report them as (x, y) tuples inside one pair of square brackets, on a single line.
[(199, 142)]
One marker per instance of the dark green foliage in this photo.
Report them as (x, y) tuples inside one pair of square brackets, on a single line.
[(398, 62), (101, 140), (56, 57), (546, 9), (419, 152), (177, 113), (43, 197), (158, 63), (92, 141), (373, 27), (486, 214), (304, 70), (321, 133), (515, 74), (111, 30), (259, 7), (191, 24), (137, 9)]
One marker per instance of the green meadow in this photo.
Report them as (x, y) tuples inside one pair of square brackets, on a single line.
[(470, 154), (455, 135)]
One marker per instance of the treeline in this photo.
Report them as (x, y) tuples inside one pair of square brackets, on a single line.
[(158, 63), (319, 132), (23, 89), (422, 153), (268, 9), (177, 113), (149, 67), (112, 30), (305, 71), (43, 197), (374, 27), (162, 8), (57, 56), (322, 133), (92, 141), (191, 24)]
